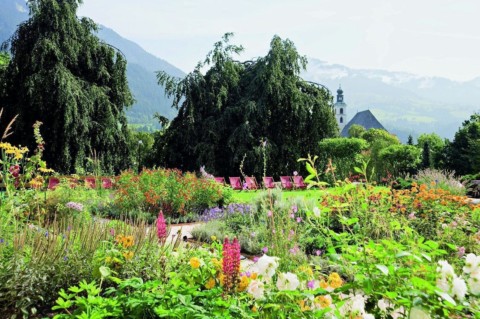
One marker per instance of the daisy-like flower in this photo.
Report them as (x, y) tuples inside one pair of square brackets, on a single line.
[(256, 288), (287, 281)]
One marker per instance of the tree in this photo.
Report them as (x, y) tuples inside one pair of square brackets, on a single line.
[(400, 159), (64, 76), (410, 140), (426, 163), (227, 113), (356, 131), (463, 154), (4, 60), (435, 144), (345, 153)]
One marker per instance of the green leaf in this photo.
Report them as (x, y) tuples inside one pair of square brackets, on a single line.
[(310, 169), (105, 271), (383, 269)]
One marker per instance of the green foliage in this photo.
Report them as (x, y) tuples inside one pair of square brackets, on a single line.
[(345, 153), (435, 148), (356, 131), (64, 76), (175, 193), (400, 159), (232, 108), (463, 154)]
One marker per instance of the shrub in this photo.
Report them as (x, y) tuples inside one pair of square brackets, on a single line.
[(442, 179)]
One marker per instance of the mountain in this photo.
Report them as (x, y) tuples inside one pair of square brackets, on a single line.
[(404, 103), (141, 67)]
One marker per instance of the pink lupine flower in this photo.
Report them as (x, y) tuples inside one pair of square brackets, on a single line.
[(231, 264), (161, 227)]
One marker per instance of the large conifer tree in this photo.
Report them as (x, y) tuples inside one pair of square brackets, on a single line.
[(230, 110), (62, 75)]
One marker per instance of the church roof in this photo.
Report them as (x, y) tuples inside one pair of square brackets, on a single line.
[(365, 119)]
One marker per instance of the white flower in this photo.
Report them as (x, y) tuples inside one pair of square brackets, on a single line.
[(287, 281), (358, 303), (474, 285), (256, 288), (472, 264), (417, 313), (368, 316), (459, 288), (267, 266), (316, 212), (384, 305), (445, 269), (398, 313), (443, 284)]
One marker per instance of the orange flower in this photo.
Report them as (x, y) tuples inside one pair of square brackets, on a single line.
[(210, 283), (195, 262)]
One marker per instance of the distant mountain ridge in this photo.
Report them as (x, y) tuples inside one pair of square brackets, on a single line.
[(404, 103), (141, 66)]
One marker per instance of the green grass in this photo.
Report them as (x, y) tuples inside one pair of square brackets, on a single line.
[(249, 196)]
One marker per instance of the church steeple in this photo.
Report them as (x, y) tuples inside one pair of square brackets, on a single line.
[(340, 109), (340, 95)]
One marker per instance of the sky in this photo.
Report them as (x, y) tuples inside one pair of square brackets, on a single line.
[(424, 37)]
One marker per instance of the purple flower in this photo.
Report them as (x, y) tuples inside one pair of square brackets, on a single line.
[(245, 186), (318, 252), (295, 173), (2, 240), (299, 219), (311, 284), (461, 252), (112, 232), (255, 259), (292, 215), (294, 209), (412, 216), (269, 214), (265, 250)]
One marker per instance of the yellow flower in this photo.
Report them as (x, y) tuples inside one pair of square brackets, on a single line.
[(254, 309), (323, 301), (46, 170), (306, 270), (213, 238), (243, 283), (195, 262), (334, 280), (217, 263), (210, 283), (127, 241), (128, 255), (253, 275), (108, 259), (221, 278), (303, 306)]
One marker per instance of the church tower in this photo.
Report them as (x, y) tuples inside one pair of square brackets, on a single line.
[(340, 110)]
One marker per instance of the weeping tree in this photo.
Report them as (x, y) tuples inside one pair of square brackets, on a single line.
[(245, 113), (61, 74)]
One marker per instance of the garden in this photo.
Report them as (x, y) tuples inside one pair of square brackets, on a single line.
[(344, 250)]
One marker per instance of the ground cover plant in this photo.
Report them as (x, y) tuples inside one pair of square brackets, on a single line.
[(355, 250)]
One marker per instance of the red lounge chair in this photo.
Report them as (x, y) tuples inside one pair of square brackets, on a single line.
[(90, 182), (53, 182), (236, 183), (268, 182), (286, 182), (251, 183), (107, 183), (298, 182), (220, 180)]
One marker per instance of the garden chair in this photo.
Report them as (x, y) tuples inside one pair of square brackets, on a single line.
[(90, 182), (107, 183), (220, 180), (251, 183), (268, 182), (286, 182), (236, 183), (52, 183), (298, 182)]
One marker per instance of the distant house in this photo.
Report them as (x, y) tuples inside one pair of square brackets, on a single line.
[(364, 118)]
